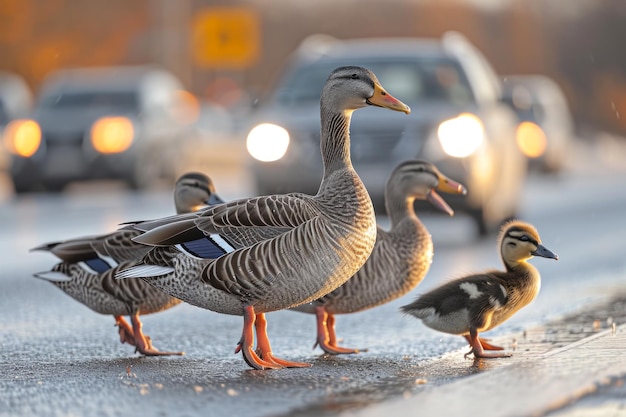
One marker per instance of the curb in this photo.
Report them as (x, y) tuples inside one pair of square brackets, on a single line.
[(532, 387)]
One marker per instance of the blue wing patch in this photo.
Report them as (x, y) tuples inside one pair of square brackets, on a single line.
[(208, 247), (96, 265)]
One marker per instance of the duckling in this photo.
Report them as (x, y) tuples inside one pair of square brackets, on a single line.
[(90, 264), (401, 256), (477, 303)]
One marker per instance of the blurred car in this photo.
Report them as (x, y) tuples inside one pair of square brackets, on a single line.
[(546, 126), (15, 102), (457, 121), (100, 123)]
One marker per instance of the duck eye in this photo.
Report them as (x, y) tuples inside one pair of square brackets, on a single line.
[(354, 76)]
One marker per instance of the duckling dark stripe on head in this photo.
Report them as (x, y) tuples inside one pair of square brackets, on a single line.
[(521, 235), (208, 247)]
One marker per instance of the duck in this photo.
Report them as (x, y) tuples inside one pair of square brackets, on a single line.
[(89, 264), (476, 303), (256, 255), (401, 256)]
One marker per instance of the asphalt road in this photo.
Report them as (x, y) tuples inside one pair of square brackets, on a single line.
[(58, 358)]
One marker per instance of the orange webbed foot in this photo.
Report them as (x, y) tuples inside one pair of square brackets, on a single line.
[(478, 350), (143, 343)]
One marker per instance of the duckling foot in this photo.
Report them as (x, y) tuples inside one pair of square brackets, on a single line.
[(326, 337), (143, 343), (265, 349), (477, 348), (485, 344)]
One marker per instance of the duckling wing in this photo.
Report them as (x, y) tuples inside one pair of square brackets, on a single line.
[(460, 304)]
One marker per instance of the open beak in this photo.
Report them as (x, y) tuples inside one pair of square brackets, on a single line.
[(445, 185), (545, 252), (382, 98)]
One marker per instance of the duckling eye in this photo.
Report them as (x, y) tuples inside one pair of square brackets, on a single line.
[(524, 238)]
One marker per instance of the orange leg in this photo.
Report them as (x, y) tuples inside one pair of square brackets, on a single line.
[(485, 343), (265, 349), (125, 331), (247, 340), (143, 344), (478, 350), (326, 337)]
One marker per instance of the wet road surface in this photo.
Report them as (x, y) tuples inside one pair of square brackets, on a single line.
[(59, 358)]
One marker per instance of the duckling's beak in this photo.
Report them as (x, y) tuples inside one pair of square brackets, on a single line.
[(544, 252), (382, 98), (214, 199)]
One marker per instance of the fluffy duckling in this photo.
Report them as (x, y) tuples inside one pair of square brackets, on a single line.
[(401, 257), (90, 264), (477, 303)]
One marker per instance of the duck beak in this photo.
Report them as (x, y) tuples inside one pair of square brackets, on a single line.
[(436, 200), (544, 252), (448, 185), (214, 199), (445, 185), (382, 98)]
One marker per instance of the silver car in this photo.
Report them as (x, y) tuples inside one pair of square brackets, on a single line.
[(546, 126), (102, 123), (458, 122)]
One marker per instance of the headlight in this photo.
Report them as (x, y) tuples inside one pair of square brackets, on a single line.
[(22, 137), (461, 136), (267, 142), (112, 134), (531, 139)]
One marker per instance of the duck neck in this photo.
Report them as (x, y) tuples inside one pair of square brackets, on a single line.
[(400, 208), (335, 140)]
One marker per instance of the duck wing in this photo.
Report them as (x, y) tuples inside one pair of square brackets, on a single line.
[(240, 223)]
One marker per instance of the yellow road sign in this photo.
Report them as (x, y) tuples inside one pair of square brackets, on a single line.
[(225, 37)]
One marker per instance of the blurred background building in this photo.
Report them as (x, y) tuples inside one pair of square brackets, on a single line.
[(229, 51)]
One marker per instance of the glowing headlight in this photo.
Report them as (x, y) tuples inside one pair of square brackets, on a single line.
[(22, 137), (531, 139), (461, 136), (112, 134), (267, 142)]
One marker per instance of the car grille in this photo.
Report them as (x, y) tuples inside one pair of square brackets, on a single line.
[(74, 139)]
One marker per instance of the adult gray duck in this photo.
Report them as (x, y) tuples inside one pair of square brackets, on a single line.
[(90, 263), (401, 257), (477, 303), (268, 253)]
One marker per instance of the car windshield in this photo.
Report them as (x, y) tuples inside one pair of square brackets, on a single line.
[(115, 100), (415, 80)]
